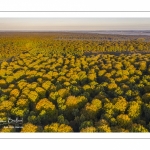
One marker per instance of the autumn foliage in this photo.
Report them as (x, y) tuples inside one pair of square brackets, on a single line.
[(62, 83)]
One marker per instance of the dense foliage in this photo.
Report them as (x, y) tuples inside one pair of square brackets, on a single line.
[(61, 89), (12, 44)]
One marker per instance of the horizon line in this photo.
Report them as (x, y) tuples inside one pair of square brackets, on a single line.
[(74, 30)]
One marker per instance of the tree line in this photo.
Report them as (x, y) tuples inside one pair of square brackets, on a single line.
[(12, 44)]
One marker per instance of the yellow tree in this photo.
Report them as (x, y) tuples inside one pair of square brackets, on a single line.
[(71, 105), (120, 104), (33, 96), (6, 106), (108, 110), (123, 120), (134, 110), (88, 129), (71, 102), (46, 110), (92, 109), (63, 93), (41, 92), (138, 128), (56, 127), (103, 126), (15, 93), (29, 127)]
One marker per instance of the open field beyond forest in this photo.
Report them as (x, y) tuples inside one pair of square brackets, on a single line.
[(74, 82)]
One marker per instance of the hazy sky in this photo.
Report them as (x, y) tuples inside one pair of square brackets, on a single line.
[(74, 24)]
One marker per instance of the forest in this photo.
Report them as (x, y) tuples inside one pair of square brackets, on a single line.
[(74, 82)]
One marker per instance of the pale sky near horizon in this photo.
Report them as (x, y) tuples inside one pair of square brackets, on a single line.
[(45, 24)]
